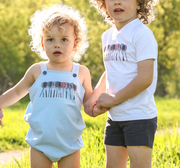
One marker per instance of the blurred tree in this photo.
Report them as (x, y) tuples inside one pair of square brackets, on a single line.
[(16, 55), (167, 33)]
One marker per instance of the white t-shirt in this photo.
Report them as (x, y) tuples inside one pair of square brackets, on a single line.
[(122, 50)]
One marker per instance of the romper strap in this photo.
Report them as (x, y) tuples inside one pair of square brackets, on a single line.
[(75, 68), (43, 66)]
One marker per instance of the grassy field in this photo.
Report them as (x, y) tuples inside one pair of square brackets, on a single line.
[(166, 152)]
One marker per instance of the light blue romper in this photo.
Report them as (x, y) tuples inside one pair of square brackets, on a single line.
[(56, 124)]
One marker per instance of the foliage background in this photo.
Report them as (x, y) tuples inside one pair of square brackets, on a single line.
[(16, 55)]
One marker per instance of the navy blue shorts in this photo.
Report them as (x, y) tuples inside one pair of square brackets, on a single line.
[(130, 133)]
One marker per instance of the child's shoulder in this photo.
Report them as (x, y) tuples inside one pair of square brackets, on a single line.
[(84, 74), (108, 31), (141, 28), (84, 71), (35, 68), (83, 68), (143, 31)]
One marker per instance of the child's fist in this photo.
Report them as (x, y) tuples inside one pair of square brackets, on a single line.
[(99, 110)]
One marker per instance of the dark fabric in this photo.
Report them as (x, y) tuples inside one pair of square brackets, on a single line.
[(130, 133)]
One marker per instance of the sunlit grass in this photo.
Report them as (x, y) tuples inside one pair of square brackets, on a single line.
[(168, 112), (166, 151), (14, 128)]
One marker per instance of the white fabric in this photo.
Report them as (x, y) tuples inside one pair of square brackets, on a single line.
[(122, 50)]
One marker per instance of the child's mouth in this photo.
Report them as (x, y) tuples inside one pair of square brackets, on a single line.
[(57, 53), (118, 10)]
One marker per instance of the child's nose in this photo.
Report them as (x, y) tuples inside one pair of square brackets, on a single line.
[(57, 45), (117, 2)]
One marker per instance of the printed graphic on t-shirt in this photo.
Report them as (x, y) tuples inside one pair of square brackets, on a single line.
[(58, 90), (115, 52)]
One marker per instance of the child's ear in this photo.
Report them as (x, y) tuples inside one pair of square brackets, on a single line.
[(75, 45), (42, 44), (138, 7)]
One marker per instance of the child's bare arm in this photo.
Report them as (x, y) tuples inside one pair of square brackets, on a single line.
[(85, 78), (100, 87), (1, 116), (142, 81), (19, 90)]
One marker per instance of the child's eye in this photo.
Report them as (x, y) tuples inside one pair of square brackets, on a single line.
[(49, 39), (64, 39)]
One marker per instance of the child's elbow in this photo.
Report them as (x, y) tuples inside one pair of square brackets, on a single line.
[(148, 81)]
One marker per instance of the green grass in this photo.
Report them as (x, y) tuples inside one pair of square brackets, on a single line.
[(168, 112), (166, 151), (14, 128)]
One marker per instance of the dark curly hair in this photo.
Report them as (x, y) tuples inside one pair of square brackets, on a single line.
[(144, 13)]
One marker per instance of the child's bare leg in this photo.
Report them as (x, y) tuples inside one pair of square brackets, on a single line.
[(140, 156), (39, 160), (116, 156), (70, 161)]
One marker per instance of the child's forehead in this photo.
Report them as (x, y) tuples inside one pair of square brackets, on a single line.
[(62, 29)]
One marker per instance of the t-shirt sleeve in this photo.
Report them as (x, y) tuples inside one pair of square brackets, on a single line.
[(145, 45)]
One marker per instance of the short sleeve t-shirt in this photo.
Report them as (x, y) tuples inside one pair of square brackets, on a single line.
[(122, 50)]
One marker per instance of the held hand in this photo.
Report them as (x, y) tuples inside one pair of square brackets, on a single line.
[(106, 100), (1, 116), (98, 111), (88, 107)]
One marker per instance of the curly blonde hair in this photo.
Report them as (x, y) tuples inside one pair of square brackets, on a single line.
[(58, 14), (144, 13)]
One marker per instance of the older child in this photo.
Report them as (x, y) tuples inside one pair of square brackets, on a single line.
[(57, 88), (127, 86)]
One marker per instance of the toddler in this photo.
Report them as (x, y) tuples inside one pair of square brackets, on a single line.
[(57, 88)]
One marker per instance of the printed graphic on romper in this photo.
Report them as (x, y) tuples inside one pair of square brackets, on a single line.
[(58, 90), (115, 52)]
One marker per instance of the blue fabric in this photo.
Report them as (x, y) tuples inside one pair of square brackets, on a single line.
[(54, 114)]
